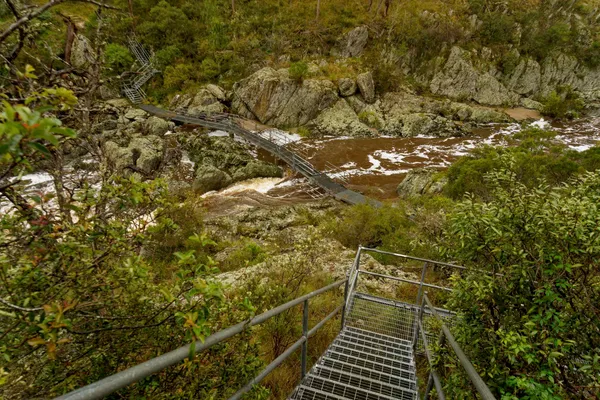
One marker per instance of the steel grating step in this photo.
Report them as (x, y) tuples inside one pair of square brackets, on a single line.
[(341, 342), (374, 358), (355, 379), (377, 338), (376, 335), (393, 378), (386, 368), (376, 345), (346, 391)]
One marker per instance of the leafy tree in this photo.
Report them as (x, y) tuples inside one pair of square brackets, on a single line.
[(79, 300), (532, 331)]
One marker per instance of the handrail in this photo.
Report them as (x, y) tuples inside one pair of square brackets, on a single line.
[(443, 264), (475, 378), (108, 385)]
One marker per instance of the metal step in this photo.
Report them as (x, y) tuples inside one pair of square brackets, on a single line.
[(375, 365), (372, 350), (358, 380), (394, 378), (397, 344), (371, 357), (376, 345), (346, 391)]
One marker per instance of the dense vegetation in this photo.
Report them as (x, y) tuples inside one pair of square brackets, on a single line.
[(208, 41), (110, 271)]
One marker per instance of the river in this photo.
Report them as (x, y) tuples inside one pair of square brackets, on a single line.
[(375, 166)]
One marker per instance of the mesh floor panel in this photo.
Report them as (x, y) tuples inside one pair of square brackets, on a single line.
[(371, 359)]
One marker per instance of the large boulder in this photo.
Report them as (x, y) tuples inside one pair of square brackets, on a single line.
[(205, 102), (366, 85), (563, 69), (156, 126), (82, 53), (347, 87), (353, 43), (340, 120), (421, 181), (143, 155), (459, 79), (209, 178), (274, 98), (420, 124), (221, 161)]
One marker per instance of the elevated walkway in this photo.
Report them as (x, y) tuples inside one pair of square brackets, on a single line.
[(234, 124)]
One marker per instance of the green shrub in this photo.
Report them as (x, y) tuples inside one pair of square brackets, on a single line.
[(209, 69), (532, 331), (563, 103), (117, 58), (298, 70), (304, 132), (535, 160), (497, 28)]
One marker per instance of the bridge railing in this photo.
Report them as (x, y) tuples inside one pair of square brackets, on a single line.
[(134, 374)]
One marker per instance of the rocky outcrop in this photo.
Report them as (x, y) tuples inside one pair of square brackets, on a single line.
[(428, 124), (526, 78), (366, 85), (275, 99), (338, 120), (220, 161), (353, 43), (459, 79), (421, 181)]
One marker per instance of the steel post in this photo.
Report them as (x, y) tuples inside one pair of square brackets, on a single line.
[(421, 284), (305, 335)]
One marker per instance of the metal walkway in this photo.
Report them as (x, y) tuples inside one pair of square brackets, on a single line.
[(233, 124), (373, 357)]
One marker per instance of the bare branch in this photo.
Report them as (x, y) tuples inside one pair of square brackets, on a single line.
[(38, 11), (25, 309)]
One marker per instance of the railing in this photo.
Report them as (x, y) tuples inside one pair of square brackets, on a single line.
[(134, 374), (422, 308), (446, 335)]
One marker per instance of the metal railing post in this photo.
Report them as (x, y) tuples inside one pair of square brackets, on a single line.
[(421, 284), (416, 330), (429, 386), (305, 335), (343, 323)]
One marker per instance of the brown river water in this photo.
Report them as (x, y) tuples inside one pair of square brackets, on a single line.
[(375, 166)]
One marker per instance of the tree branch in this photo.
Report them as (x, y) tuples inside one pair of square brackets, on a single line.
[(25, 309), (37, 12)]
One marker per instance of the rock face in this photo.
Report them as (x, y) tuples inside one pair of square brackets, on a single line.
[(353, 43), (459, 79), (526, 78), (275, 99), (220, 161), (340, 119), (428, 124), (421, 181), (366, 85)]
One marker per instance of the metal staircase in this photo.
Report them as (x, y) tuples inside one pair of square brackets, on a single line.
[(373, 357), (132, 86)]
